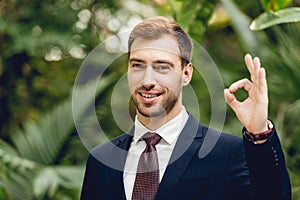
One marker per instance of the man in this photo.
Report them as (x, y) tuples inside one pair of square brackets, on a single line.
[(159, 65)]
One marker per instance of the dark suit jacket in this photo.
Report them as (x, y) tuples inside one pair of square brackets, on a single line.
[(233, 169)]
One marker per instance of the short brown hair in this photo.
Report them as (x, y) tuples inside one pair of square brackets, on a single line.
[(155, 27)]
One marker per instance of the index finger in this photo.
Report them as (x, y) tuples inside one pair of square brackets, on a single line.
[(243, 83)]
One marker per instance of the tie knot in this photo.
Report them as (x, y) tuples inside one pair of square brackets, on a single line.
[(151, 138)]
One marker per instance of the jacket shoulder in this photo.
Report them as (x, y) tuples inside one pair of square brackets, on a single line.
[(111, 143)]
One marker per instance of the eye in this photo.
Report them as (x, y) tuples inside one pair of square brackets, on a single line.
[(162, 68), (138, 66)]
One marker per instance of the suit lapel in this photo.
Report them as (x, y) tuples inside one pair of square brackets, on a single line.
[(187, 145), (121, 147)]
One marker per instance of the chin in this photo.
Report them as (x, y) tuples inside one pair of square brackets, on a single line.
[(152, 112)]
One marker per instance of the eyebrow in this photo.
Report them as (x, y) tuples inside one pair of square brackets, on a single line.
[(136, 60), (155, 62), (164, 62)]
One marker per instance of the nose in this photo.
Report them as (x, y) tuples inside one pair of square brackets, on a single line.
[(148, 81)]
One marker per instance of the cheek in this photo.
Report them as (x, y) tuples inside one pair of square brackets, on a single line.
[(173, 82), (133, 81)]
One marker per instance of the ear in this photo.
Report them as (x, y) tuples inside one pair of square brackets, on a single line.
[(187, 74)]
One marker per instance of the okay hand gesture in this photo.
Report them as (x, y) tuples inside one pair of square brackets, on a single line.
[(253, 111)]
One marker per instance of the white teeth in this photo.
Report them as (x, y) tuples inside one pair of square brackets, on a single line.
[(149, 95)]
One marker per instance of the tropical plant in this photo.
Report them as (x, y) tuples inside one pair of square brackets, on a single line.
[(36, 165), (275, 13)]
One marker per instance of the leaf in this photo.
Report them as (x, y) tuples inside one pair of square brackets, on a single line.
[(16, 176), (18, 186), (273, 5), (7, 148), (39, 144), (45, 182), (269, 19), (43, 140), (15, 162), (51, 178)]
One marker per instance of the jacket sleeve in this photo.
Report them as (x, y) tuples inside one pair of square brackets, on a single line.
[(268, 173)]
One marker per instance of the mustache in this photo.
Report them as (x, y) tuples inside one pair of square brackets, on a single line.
[(154, 87)]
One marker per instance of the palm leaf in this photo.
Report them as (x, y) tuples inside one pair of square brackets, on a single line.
[(48, 180), (28, 168), (16, 175), (42, 141), (7, 148)]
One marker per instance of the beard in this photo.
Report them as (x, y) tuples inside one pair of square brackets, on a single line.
[(161, 108)]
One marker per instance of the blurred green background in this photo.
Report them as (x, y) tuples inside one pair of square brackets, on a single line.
[(43, 44)]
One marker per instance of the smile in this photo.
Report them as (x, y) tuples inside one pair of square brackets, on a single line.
[(149, 95)]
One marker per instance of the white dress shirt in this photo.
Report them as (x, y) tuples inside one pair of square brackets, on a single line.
[(169, 133)]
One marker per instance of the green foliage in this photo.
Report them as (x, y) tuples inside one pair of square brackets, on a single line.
[(19, 19), (49, 179), (29, 38), (34, 164), (42, 46), (240, 22), (273, 5), (268, 19), (193, 16), (16, 176), (275, 13), (42, 142)]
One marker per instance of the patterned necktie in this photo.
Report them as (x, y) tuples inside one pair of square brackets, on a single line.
[(147, 176)]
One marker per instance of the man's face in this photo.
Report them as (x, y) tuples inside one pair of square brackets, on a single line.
[(155, 76)]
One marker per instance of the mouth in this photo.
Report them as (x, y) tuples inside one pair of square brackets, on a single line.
[(149, 96)]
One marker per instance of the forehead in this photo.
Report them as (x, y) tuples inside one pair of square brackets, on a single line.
[(164, 46)]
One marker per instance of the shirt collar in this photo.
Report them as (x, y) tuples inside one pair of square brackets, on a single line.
[(169, 131)]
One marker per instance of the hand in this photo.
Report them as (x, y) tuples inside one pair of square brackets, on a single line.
[(253, 111)]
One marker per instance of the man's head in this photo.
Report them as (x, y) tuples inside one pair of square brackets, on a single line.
[(156, 27), (158, 67)]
